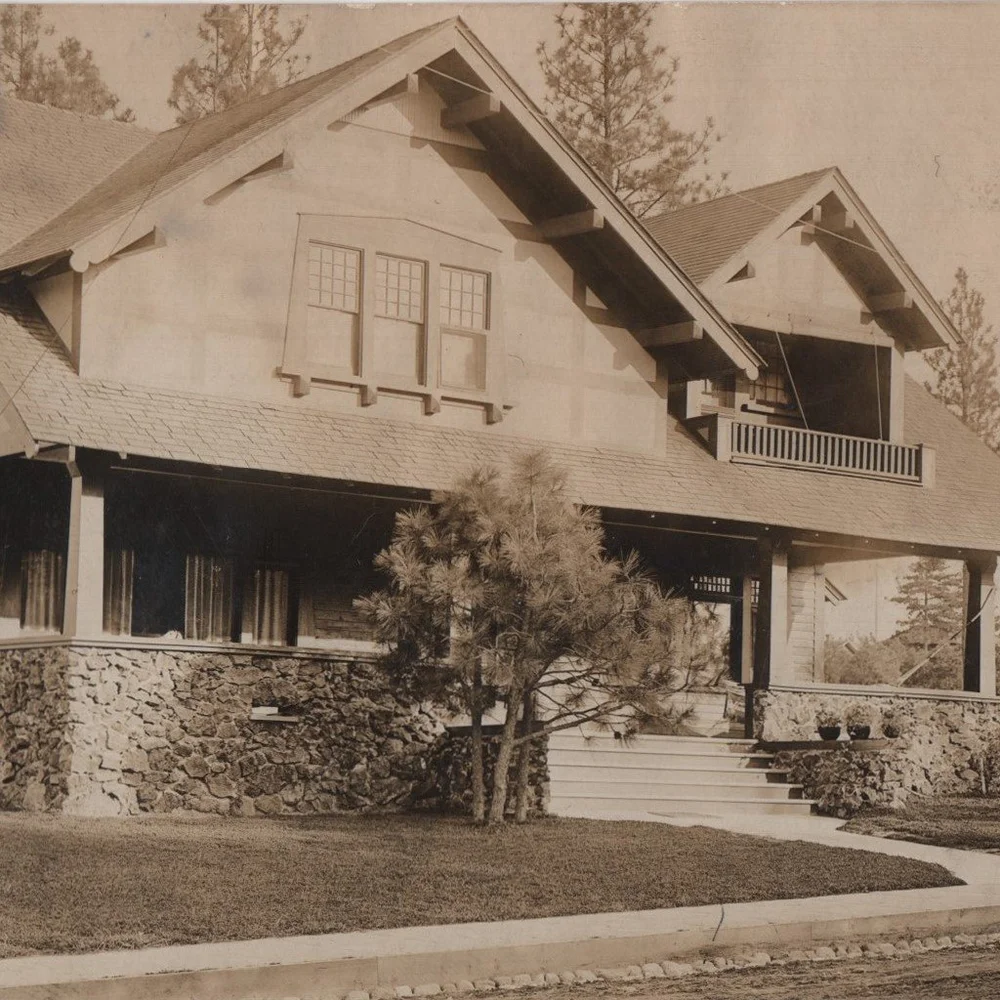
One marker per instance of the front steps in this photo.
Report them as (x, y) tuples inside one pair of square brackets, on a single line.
[(669, 775)]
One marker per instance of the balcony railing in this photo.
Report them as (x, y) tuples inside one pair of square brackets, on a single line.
[(818, 451)]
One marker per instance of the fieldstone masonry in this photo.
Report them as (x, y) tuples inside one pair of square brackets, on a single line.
[(96, 730), (946, 744)]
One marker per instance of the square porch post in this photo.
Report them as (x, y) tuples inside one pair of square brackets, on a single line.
[(83, 613), (771, 641), (980, 673)]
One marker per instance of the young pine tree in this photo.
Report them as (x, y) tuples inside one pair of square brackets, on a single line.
[(69, 79), (966, 377), (608, 89), (502, 589), (244, 53)]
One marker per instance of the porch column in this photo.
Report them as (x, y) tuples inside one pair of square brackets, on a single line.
[(741, 630), (980, 645), (771, 641), (83, 612)]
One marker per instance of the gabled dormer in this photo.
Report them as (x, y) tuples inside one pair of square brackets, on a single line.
[(803, 271)]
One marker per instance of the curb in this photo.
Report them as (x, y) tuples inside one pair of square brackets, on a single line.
[(379, 965)]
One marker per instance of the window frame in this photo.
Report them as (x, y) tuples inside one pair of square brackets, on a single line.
[(408, 240)]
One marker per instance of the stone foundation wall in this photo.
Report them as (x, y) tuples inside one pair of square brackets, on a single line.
[(944, 744), (34, 708), (109, 731)]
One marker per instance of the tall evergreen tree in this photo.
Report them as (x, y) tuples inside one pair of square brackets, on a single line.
[(608, 90), (245, 52), (69, 79), (966, 377), (931, 592), (503, 590)]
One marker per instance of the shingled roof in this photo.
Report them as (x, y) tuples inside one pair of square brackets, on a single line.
[(49, 158), (168, 159), (704, 236), (59, 407)]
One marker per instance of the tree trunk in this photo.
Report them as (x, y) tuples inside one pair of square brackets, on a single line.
[(478, 784), (498, 801), (524, 760)]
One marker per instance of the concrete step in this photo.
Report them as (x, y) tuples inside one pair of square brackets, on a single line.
[(723, 774), (649, 743), (677, 805), (653, 790), (676, 760)]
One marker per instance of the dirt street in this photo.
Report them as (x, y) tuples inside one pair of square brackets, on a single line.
[(948, 975)]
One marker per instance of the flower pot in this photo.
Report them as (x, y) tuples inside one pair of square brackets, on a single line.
[(890, 732), (859, 732), (829, 732)]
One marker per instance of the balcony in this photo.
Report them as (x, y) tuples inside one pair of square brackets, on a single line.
[(817, 451)]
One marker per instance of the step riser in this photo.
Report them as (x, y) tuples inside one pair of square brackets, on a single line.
[(705, 807), (657, 761), (651, 791), (750, 777)]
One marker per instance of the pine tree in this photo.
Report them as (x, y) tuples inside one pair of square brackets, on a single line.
[(244, 53), (608, 90), (69, 79), (502, 589), (931, 592), (967, 375)]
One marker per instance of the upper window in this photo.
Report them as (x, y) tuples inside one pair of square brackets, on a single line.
[(771, 387), (334, 305), (395, 305), (464, 303)]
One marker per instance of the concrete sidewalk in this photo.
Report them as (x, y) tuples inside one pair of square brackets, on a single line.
[(321, 967)]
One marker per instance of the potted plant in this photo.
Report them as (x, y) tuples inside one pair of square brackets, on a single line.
[(828, 724), (858, 719), (891, 724)]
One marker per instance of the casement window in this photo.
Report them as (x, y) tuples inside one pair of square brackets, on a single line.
[(208, 598), (464, 305), (43, 581), (393, 305)]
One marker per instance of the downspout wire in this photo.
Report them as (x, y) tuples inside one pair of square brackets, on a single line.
[(878, 391)]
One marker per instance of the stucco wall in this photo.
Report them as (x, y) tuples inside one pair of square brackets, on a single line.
[(574, 377)]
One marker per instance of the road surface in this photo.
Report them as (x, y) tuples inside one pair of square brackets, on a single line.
[(965, 974)]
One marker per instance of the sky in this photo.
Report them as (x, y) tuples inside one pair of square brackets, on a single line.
[(902, 97)]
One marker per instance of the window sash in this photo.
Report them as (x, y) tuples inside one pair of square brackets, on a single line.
[(400, 288), (464, 299), (334, 277)]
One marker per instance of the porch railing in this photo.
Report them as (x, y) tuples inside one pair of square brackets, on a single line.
[(819, 451)]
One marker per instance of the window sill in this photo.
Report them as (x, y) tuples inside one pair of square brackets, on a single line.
[(303, 377)]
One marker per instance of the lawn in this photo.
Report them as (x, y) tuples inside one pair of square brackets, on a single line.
[(85, 885), (972, 824)]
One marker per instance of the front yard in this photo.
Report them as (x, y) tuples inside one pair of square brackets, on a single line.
[(87, 885), (969, 823)]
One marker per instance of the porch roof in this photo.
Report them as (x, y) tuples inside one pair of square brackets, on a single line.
[(53, 405)]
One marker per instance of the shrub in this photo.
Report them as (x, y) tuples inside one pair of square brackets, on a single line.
[(825, 716), (843, 782), (858, 713)]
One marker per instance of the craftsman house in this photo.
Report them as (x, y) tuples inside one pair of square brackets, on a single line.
[(231, 352)]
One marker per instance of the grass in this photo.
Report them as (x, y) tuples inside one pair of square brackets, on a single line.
[(88, 885), (968, 823)]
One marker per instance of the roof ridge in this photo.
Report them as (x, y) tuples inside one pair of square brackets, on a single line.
[(85, 115), (742, 193)]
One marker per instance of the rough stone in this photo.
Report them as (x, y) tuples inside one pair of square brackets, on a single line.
[(427, 990), (652, 971), (585, 976), (676, 970), (485, 985)]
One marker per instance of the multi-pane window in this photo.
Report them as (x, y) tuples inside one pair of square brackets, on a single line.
[(771, 387), (399, 317), (334, 305), (399, 288), (334, 277), (463, 299), (464, 306)]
